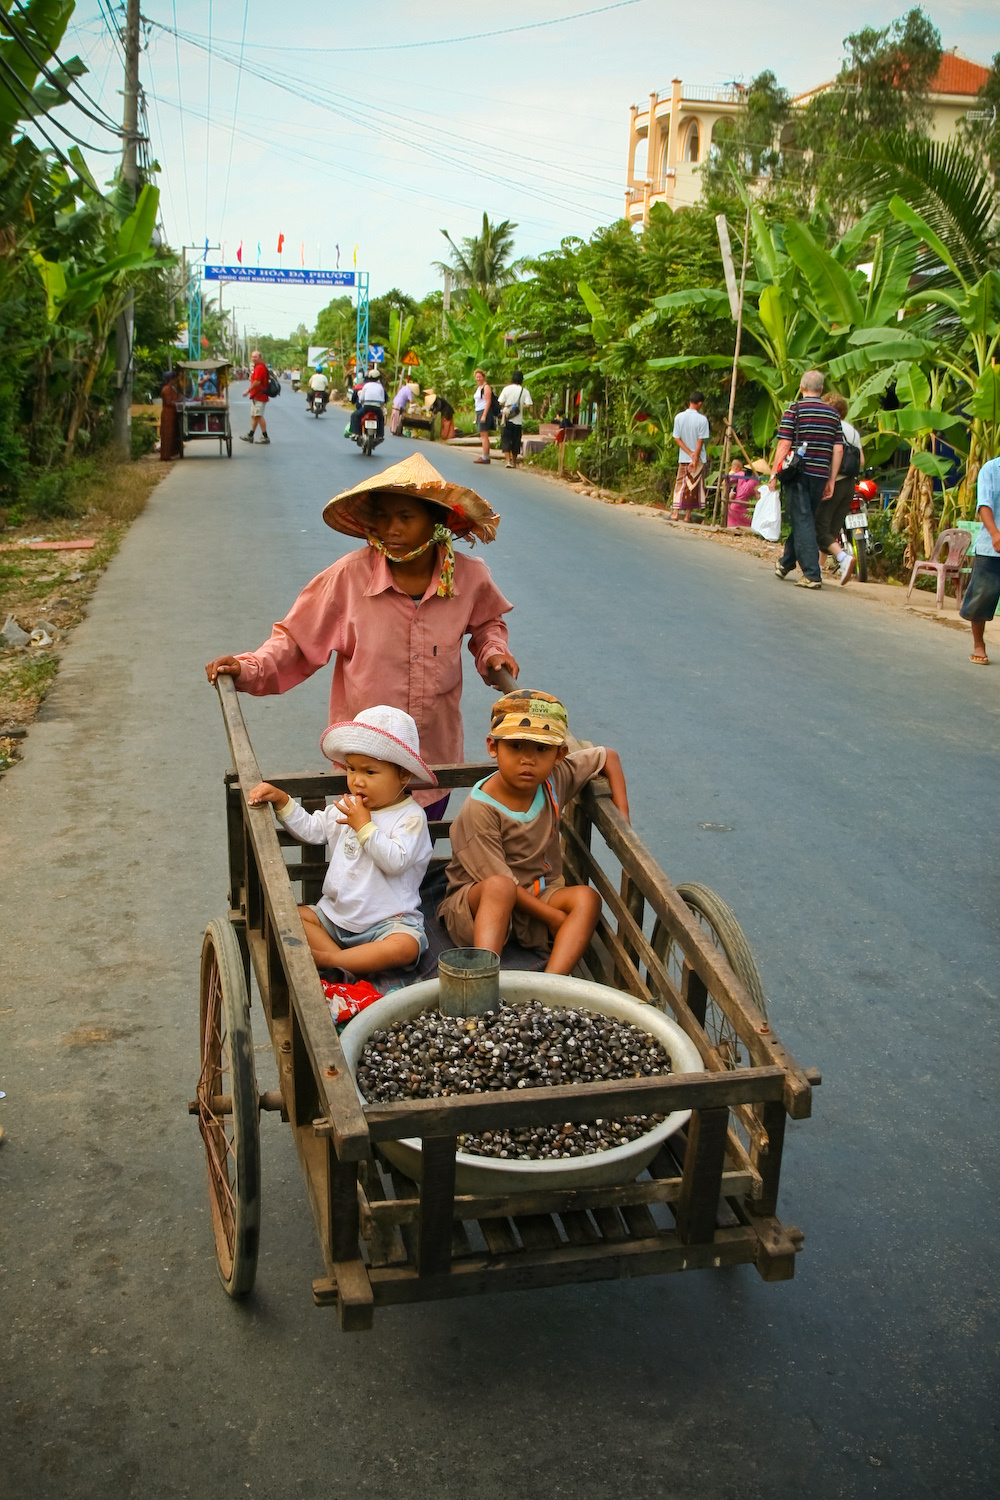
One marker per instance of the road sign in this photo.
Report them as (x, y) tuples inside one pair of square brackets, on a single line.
[(410, 359), (376, 353), (279, 275)]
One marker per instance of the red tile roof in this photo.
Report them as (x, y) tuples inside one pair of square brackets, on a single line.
[(959, 75)]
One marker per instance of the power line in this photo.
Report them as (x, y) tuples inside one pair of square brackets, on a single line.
[(180, 106), (236, 105), (32, 118), (445, 41), (208, 128), (103, 120), (352, 109)]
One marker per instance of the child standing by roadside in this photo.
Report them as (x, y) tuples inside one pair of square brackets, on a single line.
[(505, 876), (395, 611), (368, 917), (983, 594)]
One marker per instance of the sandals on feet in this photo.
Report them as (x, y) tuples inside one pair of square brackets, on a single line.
[(979, 660)]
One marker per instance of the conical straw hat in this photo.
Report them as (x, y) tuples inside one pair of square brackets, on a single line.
[(464, 512)]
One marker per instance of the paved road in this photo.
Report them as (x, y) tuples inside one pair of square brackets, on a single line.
[(850, 753)]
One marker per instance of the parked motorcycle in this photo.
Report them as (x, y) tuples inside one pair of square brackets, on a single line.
[(367, 436), (856, 535)]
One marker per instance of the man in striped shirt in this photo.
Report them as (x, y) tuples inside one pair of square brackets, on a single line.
[(812, 422)]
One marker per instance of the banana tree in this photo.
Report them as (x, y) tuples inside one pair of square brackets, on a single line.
[(606, 367), (400, 333), (86, 291), (803, 307), (476, 338)]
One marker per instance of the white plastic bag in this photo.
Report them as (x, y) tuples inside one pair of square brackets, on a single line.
[(767, 515)]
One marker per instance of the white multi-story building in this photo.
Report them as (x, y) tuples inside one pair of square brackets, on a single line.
[(670, 138)]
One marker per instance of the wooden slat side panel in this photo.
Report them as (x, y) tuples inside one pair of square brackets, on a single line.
[(703, 1162), (768, 1161), (570, 1264), (324, 784), (726, 988), (664, 1189), (334, 1085), (437, 1199), (466, 1114)]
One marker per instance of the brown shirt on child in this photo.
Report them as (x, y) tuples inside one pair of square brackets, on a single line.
[(489, 839)]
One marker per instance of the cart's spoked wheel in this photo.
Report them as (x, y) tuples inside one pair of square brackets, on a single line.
[(726, 933), (228, 1108)]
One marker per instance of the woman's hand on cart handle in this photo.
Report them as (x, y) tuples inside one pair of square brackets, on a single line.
[(222, 666), (498, 665)]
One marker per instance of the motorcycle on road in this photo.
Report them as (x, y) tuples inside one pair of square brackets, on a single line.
[(370, 420), (856, 535)]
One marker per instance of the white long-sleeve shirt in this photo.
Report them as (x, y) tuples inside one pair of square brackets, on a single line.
[(373, 874)]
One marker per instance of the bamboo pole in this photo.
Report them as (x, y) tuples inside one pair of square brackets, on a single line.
[(722, 489)]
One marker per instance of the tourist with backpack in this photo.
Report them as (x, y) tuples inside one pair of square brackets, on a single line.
[(258, 393), (830, 514), (487, 407), (513, 399)]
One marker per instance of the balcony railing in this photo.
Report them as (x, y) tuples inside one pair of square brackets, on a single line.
[(697, 93)]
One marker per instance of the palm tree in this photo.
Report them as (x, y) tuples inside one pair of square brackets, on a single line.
[(483, 260)]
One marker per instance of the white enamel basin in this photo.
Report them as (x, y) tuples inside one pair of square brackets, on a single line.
[(488, 1174)]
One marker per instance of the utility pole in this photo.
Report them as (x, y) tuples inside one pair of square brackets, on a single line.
[(122, 410)]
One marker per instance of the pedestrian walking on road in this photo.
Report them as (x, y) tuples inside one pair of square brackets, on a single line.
[(813, 429), (394, 612), (983, 593), (513, 399), (691, 432), (831, 514), (257, 391), (482, 400)]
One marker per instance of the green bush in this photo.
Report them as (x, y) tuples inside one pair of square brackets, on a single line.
[(890, 562), (51, 493), (145, 435)]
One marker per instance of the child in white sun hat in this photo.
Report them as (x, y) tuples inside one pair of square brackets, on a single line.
[(368, 917)]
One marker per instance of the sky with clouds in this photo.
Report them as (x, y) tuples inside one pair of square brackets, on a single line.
[(380, 126)]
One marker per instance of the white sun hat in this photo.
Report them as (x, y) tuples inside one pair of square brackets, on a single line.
[(385, 734)]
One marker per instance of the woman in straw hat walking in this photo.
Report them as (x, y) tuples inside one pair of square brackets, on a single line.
[(394, 612)]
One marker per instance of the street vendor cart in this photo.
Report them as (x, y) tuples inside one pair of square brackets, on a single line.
[(706, 1193), (204, 411)]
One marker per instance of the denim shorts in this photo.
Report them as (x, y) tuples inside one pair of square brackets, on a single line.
[(404, 922), (983, 593)]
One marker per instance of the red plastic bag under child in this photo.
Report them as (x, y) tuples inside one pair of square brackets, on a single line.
[(346, 1000)]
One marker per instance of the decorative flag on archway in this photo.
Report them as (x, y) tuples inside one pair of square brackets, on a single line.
[(355, 256), (337, 248), (239, 252), (281, 242), (302, 251)]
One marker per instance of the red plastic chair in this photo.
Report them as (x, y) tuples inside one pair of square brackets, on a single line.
[(955, 544)]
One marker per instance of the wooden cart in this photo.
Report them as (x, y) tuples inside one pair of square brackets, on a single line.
[(708, 1199), (206, 416)]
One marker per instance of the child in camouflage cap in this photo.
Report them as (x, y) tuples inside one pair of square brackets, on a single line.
[(505, 876)]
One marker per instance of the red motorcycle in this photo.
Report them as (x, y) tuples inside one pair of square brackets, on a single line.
[(856, 535)]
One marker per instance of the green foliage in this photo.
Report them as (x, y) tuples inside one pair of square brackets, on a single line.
[(749, 142), (983, 133), (483, 261), (53, 493), (71, 256)]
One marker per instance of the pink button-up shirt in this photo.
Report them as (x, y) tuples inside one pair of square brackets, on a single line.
[(389, 649)]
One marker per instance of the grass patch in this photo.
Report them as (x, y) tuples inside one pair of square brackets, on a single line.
[(27, 683)]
